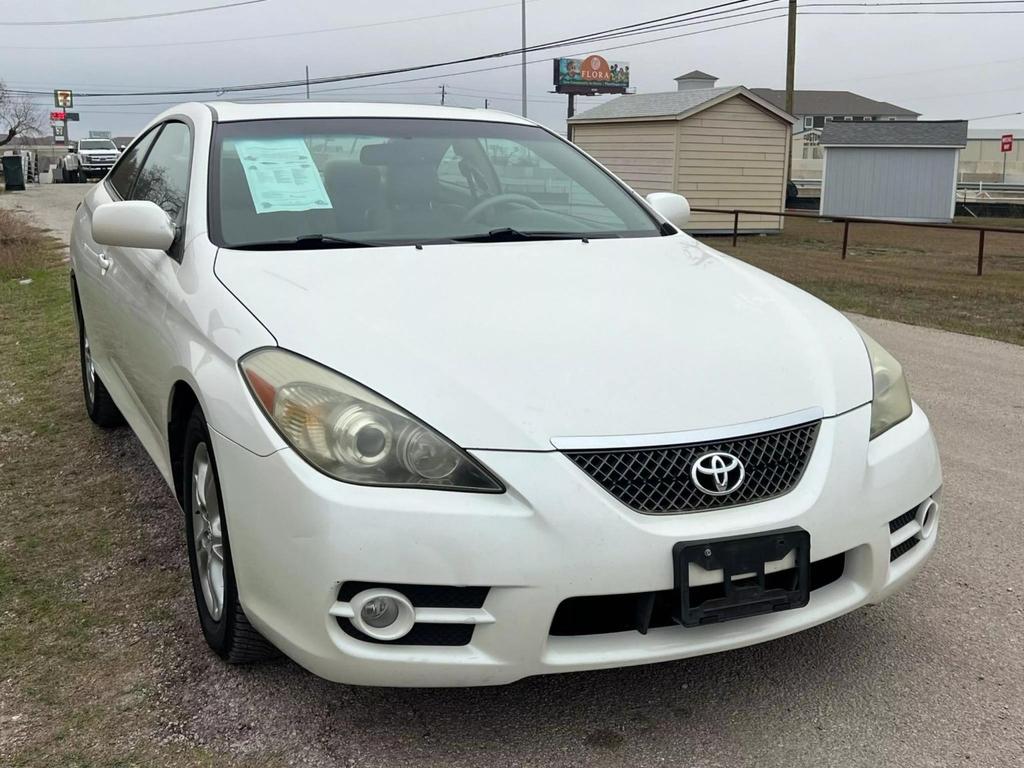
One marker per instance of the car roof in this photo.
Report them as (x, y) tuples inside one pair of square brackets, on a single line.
[(233, 111)]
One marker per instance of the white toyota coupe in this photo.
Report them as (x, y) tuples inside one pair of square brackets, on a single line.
[(445, 403)]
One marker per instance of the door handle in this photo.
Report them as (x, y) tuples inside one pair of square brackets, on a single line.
[(105, 261)]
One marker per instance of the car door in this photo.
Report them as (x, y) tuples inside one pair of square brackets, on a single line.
[(95, 272), (147, 279)]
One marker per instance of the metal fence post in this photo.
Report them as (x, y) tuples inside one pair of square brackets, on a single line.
[(735, 227), (981, 250), (846, 235)]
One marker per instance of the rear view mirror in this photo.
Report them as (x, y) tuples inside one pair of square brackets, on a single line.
[(671, 207), (133, 224)]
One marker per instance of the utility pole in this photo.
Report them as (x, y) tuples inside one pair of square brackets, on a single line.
[(307, 82), (570, 111), (486, 103), (523, 66), (443, 88), (790, 76)]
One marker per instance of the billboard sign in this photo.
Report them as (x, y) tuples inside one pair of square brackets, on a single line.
[(591, 75), (1006, 143), (63, 99)]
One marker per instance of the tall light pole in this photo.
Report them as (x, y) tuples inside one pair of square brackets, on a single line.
[(524, 56)]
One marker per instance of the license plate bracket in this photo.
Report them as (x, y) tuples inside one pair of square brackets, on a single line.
[(745, 589)]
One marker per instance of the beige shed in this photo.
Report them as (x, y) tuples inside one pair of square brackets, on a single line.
[(719, 147)]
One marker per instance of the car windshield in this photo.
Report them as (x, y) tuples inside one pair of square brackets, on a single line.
[(96, 144), (355, 182)]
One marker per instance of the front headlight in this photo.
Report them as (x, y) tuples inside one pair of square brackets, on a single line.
[(891, 402), (353, 434)]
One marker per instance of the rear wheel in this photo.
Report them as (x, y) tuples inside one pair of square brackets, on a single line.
[(225, 626), (98, 402)]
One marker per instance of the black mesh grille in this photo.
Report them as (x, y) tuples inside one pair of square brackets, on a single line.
[(423, 595), (420, 634), (901, 549), (657, 480), (904, 519)]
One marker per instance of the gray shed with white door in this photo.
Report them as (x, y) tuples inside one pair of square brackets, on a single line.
[(892, 170)]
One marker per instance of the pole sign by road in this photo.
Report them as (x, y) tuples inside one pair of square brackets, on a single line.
[(63, 99), (57, 116), (1006, 143), (72, 116), (58, 134)]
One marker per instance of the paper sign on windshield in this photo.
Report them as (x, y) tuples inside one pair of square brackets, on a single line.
[(281, 175)]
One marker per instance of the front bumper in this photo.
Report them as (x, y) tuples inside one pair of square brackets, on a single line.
[(297, 536)]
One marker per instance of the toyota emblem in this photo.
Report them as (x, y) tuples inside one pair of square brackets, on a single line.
[(717, 473)]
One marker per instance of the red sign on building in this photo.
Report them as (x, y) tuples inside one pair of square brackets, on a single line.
[(1006, 143)]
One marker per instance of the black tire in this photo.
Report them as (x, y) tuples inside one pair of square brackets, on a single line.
[(225, 626), (98, 402)]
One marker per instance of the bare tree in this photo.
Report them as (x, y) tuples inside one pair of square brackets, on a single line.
[(18, 116)]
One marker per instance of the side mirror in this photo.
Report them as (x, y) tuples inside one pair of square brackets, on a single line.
[(133, 224), (670, 206)]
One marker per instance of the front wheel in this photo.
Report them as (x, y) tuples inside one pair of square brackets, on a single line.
[(224, 623)]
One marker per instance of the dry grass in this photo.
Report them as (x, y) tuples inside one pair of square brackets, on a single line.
[(910, 274), (18, 245)]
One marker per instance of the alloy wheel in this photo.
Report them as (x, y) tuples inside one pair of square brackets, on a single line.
[(90, 369), (208, 532)]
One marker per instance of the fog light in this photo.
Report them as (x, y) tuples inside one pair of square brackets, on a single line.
[(383, 614), (927, 517), (379, 611)]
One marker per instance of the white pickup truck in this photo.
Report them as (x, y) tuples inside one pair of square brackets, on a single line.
[(96, 156)]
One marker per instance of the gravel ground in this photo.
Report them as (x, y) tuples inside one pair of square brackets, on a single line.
[(932, 677)]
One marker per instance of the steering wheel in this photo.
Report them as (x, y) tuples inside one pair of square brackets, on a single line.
[(507, 197)]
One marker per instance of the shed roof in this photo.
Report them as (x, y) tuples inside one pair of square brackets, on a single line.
[(901, 133), (671, 104), (833, 103)]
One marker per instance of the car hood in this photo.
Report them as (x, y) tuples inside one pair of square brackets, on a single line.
[(513, 345)]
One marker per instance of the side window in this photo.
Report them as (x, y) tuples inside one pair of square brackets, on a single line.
[(123, 175), (164, 177)]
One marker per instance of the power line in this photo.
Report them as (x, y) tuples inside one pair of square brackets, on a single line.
[(111, 19), (991, 117), (590, 37), (322, 30), (479, 69)]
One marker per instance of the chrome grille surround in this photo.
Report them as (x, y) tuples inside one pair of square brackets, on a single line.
[(656, 480)]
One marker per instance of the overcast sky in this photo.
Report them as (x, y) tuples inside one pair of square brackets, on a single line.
[(941, 66)]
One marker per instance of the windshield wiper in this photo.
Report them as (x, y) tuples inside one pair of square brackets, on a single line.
[(303, 242), (509, 235)]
